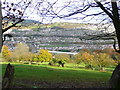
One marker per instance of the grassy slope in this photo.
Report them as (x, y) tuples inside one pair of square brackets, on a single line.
[(50, 74), (65, 25)]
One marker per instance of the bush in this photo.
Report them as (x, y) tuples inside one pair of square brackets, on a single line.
[(52, 62), (56, 61)]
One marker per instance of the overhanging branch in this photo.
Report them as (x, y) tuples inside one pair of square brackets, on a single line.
[(4, 30), (103, 8)]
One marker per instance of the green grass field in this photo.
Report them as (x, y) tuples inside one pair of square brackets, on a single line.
[(51, 76)]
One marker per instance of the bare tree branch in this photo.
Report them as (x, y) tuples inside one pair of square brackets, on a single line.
[(4, 30), (103, 8)]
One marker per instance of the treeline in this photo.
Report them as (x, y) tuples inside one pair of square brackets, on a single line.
[(21, 53), (94, 59)]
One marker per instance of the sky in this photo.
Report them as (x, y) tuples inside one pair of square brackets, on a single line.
[(32, 13)]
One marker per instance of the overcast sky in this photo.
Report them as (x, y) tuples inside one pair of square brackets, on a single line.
[(31, 13)]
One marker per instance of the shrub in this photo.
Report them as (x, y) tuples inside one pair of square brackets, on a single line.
[(53, 61), (56, 61)]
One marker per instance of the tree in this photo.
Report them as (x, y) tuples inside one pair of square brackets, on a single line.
[(55, 61), (28, 57), (116, 57), (103, 60), (111, 9), (6, 53), (0, 28), (35, 58), (78, 58), (108, 51), (61, 59), (11, 14), (105, 11), (21, 52), (86, 58), (44, 55), (65, 57)]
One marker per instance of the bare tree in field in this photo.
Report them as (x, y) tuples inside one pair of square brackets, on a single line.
[(105, 11)]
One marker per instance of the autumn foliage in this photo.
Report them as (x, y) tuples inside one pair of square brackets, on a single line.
[(21, 53), (6, 53), (43, 56), (96, 59)]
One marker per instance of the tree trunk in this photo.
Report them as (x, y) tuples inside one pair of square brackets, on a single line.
[(62, 64), (29, 63), (116, 22), (7, 81), (115, 78), (1, 43), (103, 69), (117, 28)]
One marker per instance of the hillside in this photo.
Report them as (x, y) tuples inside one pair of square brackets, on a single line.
[(36, 25), (57, 38), (29, 21), (68, 25)]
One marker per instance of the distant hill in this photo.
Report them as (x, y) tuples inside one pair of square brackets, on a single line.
[(68, 25), (36, 25), (29, 24), (29, 21), (63, 25)]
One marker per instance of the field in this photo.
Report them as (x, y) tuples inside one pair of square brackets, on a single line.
[(45, 76)]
